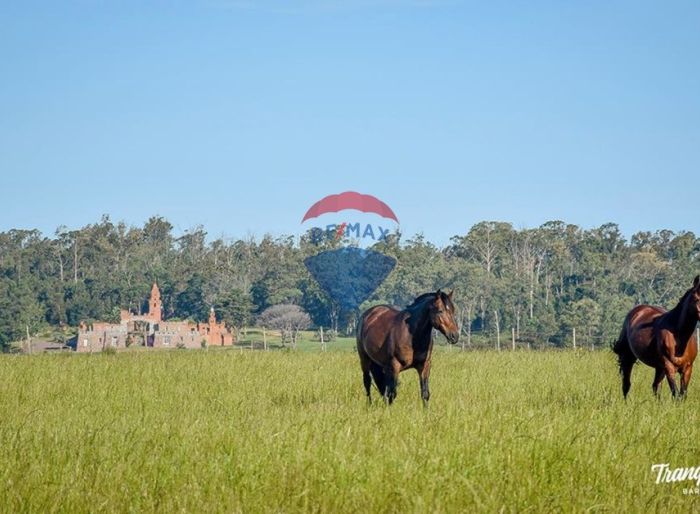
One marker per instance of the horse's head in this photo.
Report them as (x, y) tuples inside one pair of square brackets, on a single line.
[(442, 316)]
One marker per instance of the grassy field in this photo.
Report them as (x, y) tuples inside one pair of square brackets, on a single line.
[(229, 431), (307, 341)]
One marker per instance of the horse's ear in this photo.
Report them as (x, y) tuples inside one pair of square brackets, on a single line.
[(450, 294), (438, 295), (696, 282)]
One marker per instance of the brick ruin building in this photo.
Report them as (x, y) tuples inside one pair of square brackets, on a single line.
[(151, 330)]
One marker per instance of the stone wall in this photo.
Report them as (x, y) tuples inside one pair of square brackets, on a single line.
[(150, 330)]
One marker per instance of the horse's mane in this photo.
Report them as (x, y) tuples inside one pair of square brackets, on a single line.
[(422, 298), (676, 312), (685, 296), (681, 301), (429, 296)]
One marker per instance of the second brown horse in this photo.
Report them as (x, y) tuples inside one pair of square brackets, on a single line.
[(390, 341), (663, 340)]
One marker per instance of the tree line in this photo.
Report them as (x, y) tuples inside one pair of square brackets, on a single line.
[(537, 284)]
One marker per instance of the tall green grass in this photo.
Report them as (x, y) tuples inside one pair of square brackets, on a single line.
[(197, 431)]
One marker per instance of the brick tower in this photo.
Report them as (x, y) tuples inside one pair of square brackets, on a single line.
[(155, 306)]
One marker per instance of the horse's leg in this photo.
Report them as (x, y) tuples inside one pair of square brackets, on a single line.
[(424, 376), (365, 364), (391, 373), (658, 377), (671, 371), (685, 379)]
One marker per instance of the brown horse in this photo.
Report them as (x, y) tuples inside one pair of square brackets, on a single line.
[(390, 341), (663, 340)]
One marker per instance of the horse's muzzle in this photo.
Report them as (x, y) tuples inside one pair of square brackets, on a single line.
[(453, 337)]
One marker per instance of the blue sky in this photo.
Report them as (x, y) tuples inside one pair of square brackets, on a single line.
[(239, 115)]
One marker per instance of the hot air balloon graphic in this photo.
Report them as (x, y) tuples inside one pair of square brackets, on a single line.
[(350, 274)]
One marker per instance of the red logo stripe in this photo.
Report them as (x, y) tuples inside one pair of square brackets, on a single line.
[(350, 200)]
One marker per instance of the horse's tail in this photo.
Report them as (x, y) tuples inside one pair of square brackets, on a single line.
[(621, 344), (625, 357), (379, 377), (358, 330), (361, 323), (375, 369)]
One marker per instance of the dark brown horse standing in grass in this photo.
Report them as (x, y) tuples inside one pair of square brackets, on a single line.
[(663, 340), (390, 341)]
